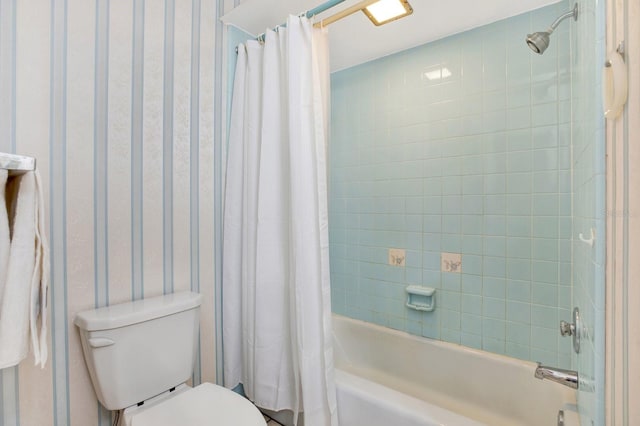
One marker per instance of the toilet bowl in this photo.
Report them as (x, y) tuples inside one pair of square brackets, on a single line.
[(140, 355), (204, 405)]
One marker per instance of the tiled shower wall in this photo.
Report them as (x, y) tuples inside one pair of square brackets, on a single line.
[(458, 146)]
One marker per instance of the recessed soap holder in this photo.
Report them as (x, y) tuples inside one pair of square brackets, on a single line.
[(421, 298)]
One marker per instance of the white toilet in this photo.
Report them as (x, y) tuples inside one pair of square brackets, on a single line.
[(139, 356)]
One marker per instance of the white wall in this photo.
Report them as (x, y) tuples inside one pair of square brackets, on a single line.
[(115, 100)]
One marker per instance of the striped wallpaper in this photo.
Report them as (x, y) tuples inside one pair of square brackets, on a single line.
[(115, 99)]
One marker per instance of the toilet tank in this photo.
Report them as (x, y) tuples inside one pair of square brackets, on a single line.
[(138, 350)]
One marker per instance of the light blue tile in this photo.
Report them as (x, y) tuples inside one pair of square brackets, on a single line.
[(518, 205), (472, 244), (450, 319), (519, 183), (545, 204), (494, 246), (471, 304), (545, 227), (472, 165), (545, 249), (519, 269), (519, 291), (431, 260), (519, 333), (472, 204), (544, 137), (519, 118), (518, 351), (452, 185), (473, 184), (431, 278), (520, 95), (519, 161), (472, 224), (494, 224), (451, 243), (451, 336), (495, 204), (432, 223), (519, 226), (544, 92), (494, 287), (519, 140), (432, 242), (518, 248), (494, 328), (451, 204), (451, 224), (449, 300), (472, 264), (471, 284), (451, 282), (544, 294), (545, 181), (494, 184), (494, 267), (518, 312), (495, 162), (493, 345), (414, 241), (544, 338), (431, 205), (471, 340), (494, 143), (493, 308), (544, 316), (546, 272)]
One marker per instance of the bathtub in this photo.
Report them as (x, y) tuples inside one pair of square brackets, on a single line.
[(387, 377)]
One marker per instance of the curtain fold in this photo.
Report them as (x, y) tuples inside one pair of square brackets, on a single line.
[(276, 291)]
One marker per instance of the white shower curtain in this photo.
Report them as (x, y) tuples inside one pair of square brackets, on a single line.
[(276, 294)]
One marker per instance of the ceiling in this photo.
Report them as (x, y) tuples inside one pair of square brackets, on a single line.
[(354, 39)]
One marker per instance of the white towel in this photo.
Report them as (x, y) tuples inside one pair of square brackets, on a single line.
[(23, 289)]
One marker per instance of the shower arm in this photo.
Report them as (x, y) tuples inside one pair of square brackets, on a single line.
[(572, 13)]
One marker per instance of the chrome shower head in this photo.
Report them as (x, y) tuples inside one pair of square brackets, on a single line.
[(539, 41)]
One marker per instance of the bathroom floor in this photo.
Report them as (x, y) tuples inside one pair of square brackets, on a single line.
[(270, 421)]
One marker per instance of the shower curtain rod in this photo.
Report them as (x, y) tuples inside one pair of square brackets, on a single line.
[(330, 19), (17, 163)]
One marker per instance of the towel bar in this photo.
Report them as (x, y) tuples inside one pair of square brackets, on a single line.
[(17, 163)]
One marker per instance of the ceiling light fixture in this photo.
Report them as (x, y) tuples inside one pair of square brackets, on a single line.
[(385, 11)]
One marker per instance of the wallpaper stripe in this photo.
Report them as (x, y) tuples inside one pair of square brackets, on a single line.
[(8, 75), (195, 165), (217, 182), (101, 157), (167, 138), (58, 231), (101, 161), (2, 409), (9, 400), (9, 397), (137, 96)]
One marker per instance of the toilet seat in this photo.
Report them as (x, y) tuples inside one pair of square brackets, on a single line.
[(204, 405)]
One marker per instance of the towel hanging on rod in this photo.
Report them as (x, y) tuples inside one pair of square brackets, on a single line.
[(24, 263), (17, 164)]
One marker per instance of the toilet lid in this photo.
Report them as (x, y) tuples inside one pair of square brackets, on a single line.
[(204, 405)]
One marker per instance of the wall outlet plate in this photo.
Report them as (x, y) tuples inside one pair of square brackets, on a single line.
[(451, 262), (397, 257)]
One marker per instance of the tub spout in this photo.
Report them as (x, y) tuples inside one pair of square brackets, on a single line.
[(564, 377)]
